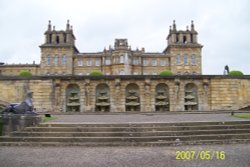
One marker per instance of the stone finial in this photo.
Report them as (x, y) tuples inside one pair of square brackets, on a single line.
[(49, 26), (67, 25), (54, 28), (187, 28), (192, 25), (174, 25)]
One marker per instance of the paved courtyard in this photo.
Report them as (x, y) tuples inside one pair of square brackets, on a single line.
[(235, 156)]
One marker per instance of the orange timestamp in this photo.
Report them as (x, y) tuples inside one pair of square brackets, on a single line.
[(200, 155)]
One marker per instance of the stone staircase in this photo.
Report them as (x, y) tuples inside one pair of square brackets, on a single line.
[(130, 134)]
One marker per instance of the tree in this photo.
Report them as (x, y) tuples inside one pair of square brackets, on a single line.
[(235, 73), (96, 73), (166, 73), (25, 74)]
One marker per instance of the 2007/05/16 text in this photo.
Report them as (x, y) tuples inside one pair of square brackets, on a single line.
[(202, 155)]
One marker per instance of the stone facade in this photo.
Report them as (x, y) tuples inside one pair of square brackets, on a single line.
[(60, 56), (52, 93), (131, 82)]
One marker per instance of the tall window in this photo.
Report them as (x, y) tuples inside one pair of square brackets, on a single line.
[(89, 62), (135, 61), (178, 60), (64, 60), (97, 62), (121, 59), (154, 62), (163, 62), (80, 63), (107, 61), (193, 59), (56, 60), (48, 60), (185, 59), (145, 62)]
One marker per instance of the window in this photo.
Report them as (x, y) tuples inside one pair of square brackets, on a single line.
[(97, 62), (64, 60), (122, 59), (80, 63), (154, 62), (193, 59), (89, 63), (135, 61), (178, 60), (56, 60), (121, 72), (185, 59), (163, 63), (48, 60), (145, 62), (107, 61)]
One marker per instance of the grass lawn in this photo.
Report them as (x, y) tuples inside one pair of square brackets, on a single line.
[(47, 119), (242, 116)]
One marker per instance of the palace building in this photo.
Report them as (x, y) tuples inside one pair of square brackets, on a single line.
[(60, 56), (131, 81)]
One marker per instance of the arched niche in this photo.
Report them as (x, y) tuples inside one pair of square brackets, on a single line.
[(132, 98), (73, 98), (161, 97), (102, 98), (191, 97)]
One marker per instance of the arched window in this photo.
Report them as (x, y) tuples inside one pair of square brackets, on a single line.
[(185, 59), (57, 39), (178, 60), (48, 60), (56, 60), (64, 60)]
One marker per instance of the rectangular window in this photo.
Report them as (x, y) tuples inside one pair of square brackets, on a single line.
[(135, 61), (178, 60), (80, 63), (185, 59), (97, 62), (56, 60), (64, 60), (154, 62), (89, 63), (107, 61), (193, 59), (48, 60), (163, 63), (145, 62)]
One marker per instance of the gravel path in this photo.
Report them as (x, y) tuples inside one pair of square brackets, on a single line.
[(146, 118), (235, 155)]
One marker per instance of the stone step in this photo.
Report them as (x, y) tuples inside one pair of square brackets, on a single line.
[(134, 129), (129, 134), (149, 124), (128, 139), (150, 144)]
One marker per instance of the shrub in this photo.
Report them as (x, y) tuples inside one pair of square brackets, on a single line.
[(96, 73), (235, 73), (25, 74), (166, 73)]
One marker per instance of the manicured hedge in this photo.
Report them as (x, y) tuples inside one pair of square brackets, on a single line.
[(166, 73), (96, 73), (235, 73)]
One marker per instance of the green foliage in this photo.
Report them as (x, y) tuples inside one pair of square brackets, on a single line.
[(96, 73), (166, 73), (242, 116), (25, 74), (235, 73), (47, 119)]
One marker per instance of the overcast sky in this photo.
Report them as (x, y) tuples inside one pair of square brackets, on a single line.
[(223, 27)]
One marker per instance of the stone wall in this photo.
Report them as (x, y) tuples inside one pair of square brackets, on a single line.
[(213, 92)]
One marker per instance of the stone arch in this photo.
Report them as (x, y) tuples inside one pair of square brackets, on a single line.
[(191, 97), (102, 102), (161, 97), (132, 97), (73, 98)]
